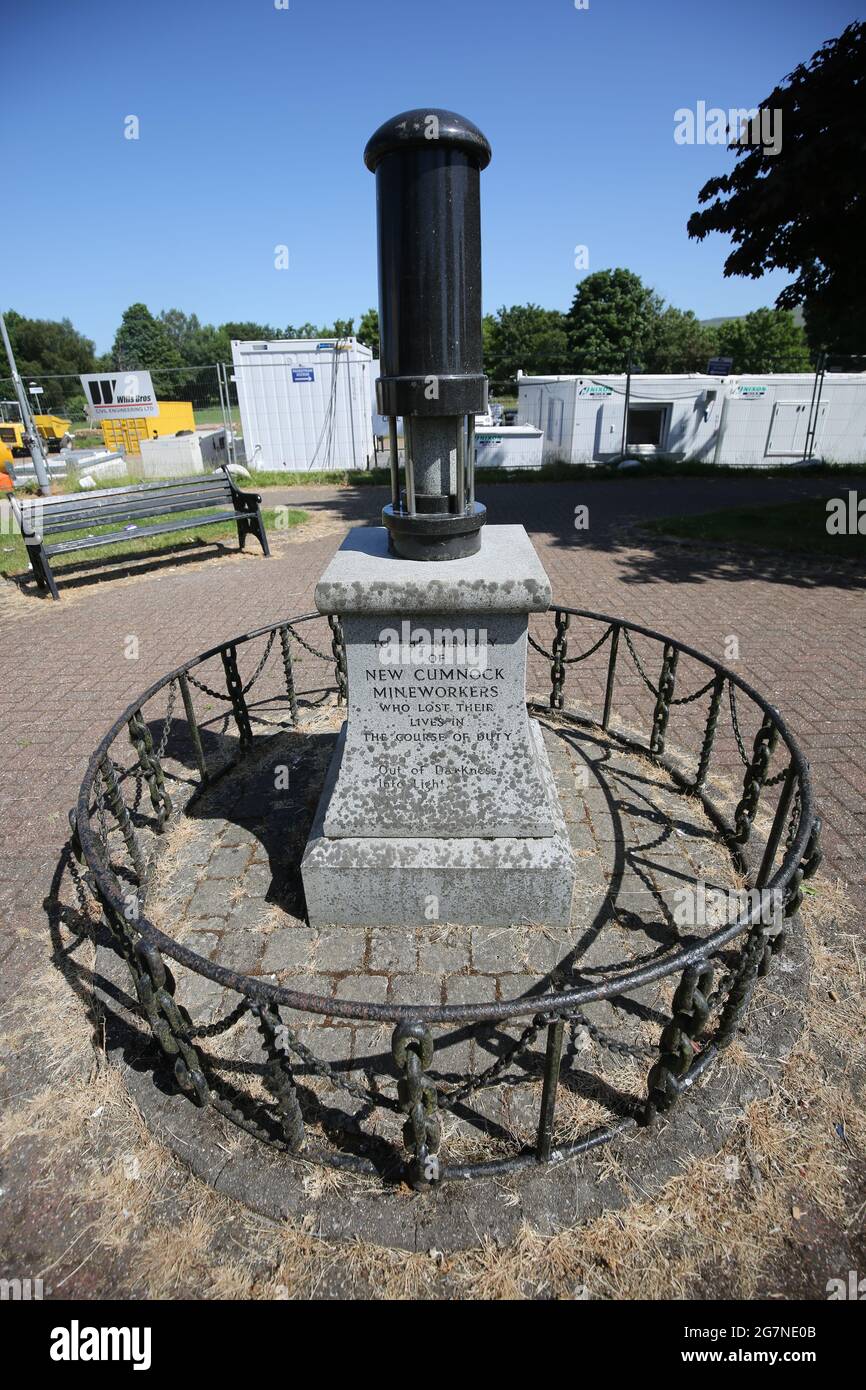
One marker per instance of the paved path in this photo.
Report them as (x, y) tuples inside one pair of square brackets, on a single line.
[(68, 668)]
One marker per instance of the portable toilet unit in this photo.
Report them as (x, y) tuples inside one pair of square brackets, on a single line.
[(305, 403), (127, 435)]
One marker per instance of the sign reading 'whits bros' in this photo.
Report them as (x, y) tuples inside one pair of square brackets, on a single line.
[(119, 395)]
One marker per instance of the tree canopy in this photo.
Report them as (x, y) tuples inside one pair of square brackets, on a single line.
[(803, 209), (524, 336), (768, 340), (46, 348), (613, 315), (144, 343)]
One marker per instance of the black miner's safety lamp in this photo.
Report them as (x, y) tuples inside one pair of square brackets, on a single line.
[(427, 165)]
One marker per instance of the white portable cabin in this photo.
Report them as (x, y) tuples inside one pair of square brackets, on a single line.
[(305, 403), (740, 421), (508, 446)]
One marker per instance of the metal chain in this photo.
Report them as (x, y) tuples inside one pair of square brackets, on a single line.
[(682, 699), (261, 666), (678, 1041), (696, 695), (769, 781), (244, 689), (338, 647), (206, 689), (606, 1040), (519, 1045), (167, 722), (753, 783), (142, 741), (279, 1078), (570, 660), (412, 1049), (306, 646), (291, 1041), (558, 651), (636, 659), (736, 724)]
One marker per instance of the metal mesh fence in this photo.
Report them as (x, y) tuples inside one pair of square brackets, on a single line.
[(310, 410)]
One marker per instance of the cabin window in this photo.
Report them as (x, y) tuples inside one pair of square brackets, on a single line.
[(646, 424)]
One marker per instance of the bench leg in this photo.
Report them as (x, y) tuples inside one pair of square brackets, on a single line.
[(41, 567), (262, 533), (250, 523)]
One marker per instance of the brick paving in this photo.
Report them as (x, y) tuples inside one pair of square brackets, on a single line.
[(227, 886), (68, 668)]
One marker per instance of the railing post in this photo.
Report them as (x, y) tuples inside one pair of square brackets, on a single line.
[(775, 835), (552, 1064), (236, 695), (611, 676), (288, 670), (192, 723)]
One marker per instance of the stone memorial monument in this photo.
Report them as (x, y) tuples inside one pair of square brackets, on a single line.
[(439, 803)]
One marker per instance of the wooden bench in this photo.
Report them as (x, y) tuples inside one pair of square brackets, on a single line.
[(43, 518)]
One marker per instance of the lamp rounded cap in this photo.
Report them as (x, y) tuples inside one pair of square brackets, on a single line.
[(424, 127)]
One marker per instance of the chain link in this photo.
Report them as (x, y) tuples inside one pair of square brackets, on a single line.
[(412, 1049), (678, 1042)]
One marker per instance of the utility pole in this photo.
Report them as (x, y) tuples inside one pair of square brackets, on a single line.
[(628, 371), (31, 434)]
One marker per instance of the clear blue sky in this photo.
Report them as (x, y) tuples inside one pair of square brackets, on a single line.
[(253, 122)]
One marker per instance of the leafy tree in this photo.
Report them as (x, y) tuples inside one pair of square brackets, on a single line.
[(524, 336), (682, 344), (803, 209), (144, 343), (247, 331), (612, 315), (46, 348), (768, 340), (199, 344), (368, 330)]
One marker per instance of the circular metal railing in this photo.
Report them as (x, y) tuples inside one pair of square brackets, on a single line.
[(124, 807)]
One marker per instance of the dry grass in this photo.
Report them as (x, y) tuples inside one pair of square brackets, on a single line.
[(130, 1200)]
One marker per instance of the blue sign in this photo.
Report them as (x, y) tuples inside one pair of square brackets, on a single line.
[(303, 374), (720, 366)]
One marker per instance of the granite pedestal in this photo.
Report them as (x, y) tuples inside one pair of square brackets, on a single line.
[(440, 803)]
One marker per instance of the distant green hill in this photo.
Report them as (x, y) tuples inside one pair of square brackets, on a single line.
[(726, 318)]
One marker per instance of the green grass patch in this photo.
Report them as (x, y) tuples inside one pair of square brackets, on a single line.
[(13, 553), (557, 472), (791, 528)]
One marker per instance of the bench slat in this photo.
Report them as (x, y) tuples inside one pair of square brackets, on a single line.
[(147, 494), (84, 502), (132, 534), (108, 518), (137, 489)]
